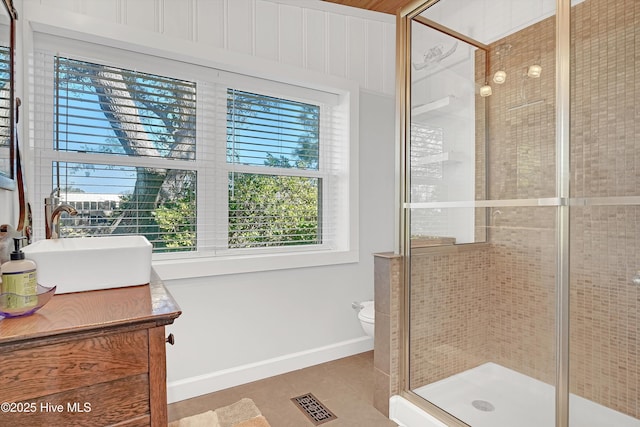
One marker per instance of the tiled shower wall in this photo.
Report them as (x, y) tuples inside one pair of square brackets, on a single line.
[(496, 301), (448, 314), (521, 155), (605, 243)]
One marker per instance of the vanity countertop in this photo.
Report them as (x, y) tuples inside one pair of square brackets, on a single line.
[(150, 304)]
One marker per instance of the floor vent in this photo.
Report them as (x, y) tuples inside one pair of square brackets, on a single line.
[(313, 409)]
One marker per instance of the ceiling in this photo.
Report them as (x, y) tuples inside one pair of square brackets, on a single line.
[(386, 6)]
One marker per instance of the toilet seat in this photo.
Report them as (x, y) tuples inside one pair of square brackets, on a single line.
[(367, 314)]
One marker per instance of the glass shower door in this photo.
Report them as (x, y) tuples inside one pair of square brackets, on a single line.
[(481, 214), (605, 215)]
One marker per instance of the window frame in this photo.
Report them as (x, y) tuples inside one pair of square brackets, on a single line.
[(321, 173), (201, 262)]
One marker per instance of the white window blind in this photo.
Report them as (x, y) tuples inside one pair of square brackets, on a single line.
[(115, 112), (200, 161), (272, 132), (5, 104), (110, 110), (272, 137)]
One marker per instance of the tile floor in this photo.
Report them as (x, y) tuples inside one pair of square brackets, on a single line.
[(344, 386)]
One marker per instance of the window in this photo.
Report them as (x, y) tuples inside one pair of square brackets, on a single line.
[(116, 112), (202, 162), (274, 186), (5, 101)]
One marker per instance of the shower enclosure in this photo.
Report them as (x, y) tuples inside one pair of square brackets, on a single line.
[(520, 211)]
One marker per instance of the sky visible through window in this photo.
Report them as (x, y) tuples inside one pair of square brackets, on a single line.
[(4, 96), (261, 130), (111, 111), (123, 131)]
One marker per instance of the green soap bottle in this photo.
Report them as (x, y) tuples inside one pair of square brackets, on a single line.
[(19, 279)]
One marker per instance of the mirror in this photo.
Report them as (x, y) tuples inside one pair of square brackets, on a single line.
[(7, 132)]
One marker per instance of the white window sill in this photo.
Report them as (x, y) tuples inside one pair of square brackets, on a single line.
[(221, 265)]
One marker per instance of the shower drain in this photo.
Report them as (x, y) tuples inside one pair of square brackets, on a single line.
[(483, 405)]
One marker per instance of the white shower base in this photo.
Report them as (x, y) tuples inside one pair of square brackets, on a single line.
[(491, 395)]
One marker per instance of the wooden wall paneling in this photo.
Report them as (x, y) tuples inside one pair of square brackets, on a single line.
[(109, 10), (240, 29), (178, 18), (143, 14), (374, 55), (266, 30), (291, 35), (389, 59), (356, 50), (210, 23), (337, 48), (59, 4), (337, 44), (316, 40)]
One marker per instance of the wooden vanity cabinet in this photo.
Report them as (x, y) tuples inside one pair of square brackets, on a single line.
[(88, 359)]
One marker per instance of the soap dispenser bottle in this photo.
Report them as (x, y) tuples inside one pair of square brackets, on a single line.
[(19, 278)]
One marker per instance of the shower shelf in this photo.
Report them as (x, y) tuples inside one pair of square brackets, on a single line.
[(447, 157), (431, 106)]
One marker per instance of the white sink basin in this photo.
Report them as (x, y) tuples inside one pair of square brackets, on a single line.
[(90, 263)]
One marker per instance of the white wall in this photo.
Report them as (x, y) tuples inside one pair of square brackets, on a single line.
[(6, 207), (244, 327), (310, 34), (238, 328)]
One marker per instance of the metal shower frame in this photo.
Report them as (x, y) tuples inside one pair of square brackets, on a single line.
[(562, 201)]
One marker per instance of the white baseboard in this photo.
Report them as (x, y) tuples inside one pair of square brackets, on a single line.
[(220, 380)]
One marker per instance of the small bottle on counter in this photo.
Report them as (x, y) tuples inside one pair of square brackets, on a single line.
[(19, 278)]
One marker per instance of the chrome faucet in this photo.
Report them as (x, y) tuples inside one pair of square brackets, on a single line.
[(52, 211)]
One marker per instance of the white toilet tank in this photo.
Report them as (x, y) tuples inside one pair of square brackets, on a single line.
[(366, 315)]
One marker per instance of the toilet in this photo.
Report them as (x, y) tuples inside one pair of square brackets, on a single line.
[(366, 315)]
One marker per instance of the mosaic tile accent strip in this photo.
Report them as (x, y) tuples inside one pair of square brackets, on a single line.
[(313, 409)]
